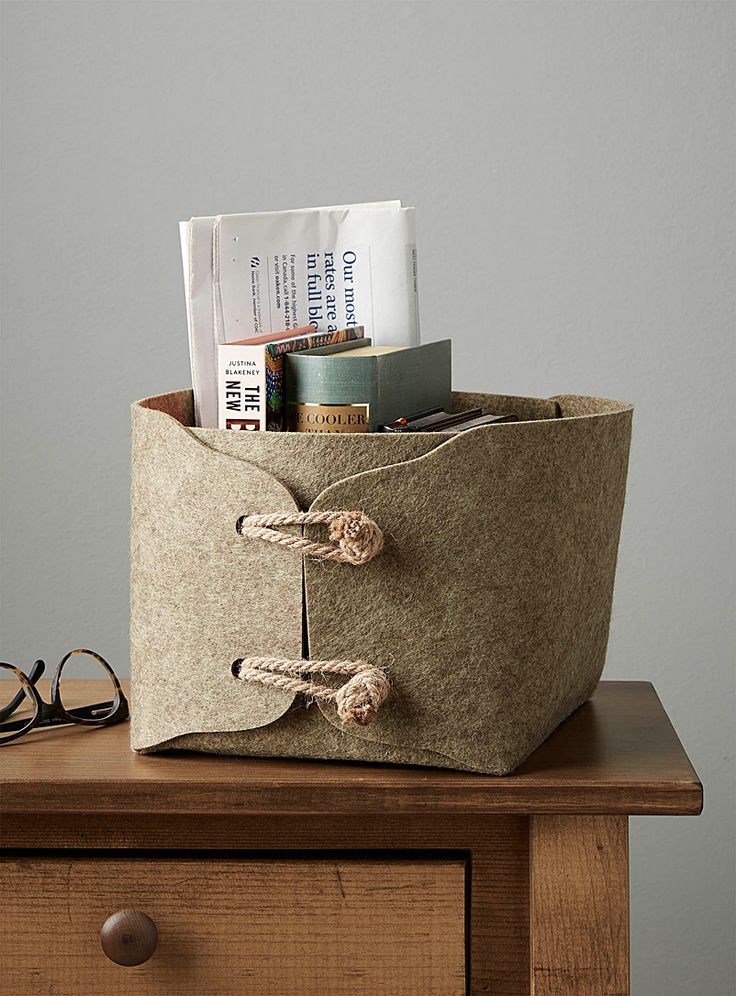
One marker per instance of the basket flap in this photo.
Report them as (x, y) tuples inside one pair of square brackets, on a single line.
[(490, 604), (201, 597)]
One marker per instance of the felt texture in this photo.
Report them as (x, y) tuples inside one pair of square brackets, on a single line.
[(200, 596), (307, 463), (303, 732), (489, 605)]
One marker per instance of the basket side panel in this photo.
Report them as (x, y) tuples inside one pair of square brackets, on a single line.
[(202, 596), (490, 604)]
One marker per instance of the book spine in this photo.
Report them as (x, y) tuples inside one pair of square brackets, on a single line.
[(274, 389), (310, 417), (329, 395), (275, 353), (241, 387)]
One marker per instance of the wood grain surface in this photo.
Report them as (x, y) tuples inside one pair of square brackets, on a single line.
[(579, 906), (266, 928), (495, 847), (617, 754), (543, 850)]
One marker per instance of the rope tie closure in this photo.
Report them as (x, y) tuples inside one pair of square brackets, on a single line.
[(358, 538), (357, 701)]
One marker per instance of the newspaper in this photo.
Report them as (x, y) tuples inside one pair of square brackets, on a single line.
[(331, 268)]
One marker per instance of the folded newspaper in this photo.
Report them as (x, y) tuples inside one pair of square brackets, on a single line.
[(331, 268)]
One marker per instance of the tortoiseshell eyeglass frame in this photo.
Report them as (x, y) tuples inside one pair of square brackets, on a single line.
[(53, 713)]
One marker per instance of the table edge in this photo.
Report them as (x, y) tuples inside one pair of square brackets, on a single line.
[(141, 797)]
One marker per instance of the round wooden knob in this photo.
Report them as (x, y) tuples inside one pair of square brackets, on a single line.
[(129, 937)]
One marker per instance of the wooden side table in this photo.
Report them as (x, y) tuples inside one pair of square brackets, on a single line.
[(280, 877)]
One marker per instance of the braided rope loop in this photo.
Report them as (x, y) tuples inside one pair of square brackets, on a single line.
[(357, 536), (357, 701)]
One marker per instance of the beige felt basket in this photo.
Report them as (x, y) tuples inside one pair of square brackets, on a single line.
[(463, 615)]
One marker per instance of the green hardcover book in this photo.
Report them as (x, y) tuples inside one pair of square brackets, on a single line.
[(356, 387)]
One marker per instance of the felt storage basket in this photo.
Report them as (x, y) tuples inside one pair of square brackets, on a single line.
[(478, 627)]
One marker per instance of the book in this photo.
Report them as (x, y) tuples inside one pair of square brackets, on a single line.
[(250, 375), (246, 275), (473, 423), (442, 421), (357, 387), (431, 421)]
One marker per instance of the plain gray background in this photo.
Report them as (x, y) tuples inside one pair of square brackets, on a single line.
[(572, 170)]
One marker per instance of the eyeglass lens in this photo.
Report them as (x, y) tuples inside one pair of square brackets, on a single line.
[(97, 685)]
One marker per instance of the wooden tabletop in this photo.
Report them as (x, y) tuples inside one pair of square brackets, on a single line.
[(617, 754)]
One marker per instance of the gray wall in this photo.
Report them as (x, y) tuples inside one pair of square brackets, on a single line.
[(572, 169)]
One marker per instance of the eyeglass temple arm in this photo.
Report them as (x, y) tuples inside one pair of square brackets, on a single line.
[(13, 725), (83, 712), (9, 709)]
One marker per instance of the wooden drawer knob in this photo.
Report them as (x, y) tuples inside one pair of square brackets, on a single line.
[(129, 937)]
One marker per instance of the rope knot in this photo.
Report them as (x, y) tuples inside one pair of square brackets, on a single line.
[(359, 699), (359, 537)]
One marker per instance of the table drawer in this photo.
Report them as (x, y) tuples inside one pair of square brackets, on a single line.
[(228, 926)]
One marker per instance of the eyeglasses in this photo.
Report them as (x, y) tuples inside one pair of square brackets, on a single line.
[(20, 697)]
